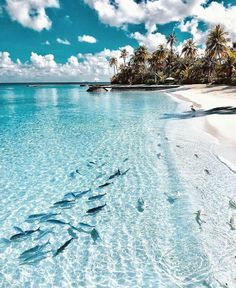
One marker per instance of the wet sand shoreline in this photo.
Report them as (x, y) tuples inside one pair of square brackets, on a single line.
[(220, 126)]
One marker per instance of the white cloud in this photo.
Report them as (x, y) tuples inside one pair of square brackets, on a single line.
[(45, 68), (39, 61), (73, 61), (192, 27), (31, 13), (151, 39), (63, 41), (5, 60), (217, 13), (151, 12), (87, 38), (46, 43)]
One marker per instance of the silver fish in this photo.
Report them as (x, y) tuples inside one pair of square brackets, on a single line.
[(33, 250), (95, 235), (55, 221), (96, 209), (64, 203), (35, 258), (69, 195), (81, 194), (62, 248), (18, 229), (48, 216), (125, 172), (72, 175), (105, 185), (140, 205), (116, 174), (35, 217), (23, 235), (72, 233), (5, 241), (96, 197)]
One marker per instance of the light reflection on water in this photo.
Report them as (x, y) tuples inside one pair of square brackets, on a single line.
[(48, 133)]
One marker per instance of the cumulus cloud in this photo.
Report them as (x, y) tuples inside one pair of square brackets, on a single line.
[(151, 39), (39, 61), (5, 60), (87, 38), (63, 41), (73, 61), (192, 26), (151, 12), (45, 68), (217, 13), (31, 13)]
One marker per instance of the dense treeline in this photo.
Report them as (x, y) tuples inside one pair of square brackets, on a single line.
[(216, 65)]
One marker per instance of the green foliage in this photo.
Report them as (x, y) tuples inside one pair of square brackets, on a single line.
[(218, 64)]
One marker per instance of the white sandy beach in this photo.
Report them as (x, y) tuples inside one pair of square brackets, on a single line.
[(213, 138), (223, 127)]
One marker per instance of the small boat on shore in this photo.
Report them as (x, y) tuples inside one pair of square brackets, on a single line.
[(33, 85), (98, 89)]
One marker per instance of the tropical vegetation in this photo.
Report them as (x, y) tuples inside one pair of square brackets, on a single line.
[(215, 64)]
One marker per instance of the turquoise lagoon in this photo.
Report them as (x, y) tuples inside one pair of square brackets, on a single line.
[(46, 134)]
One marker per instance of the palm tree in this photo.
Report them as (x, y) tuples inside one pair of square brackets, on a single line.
[(171, 40), (229, 64), (216, 44), (216, 47), (190, 49), (141, 55), (124, 55), (113, 62), (162, 52), (157, 59), (138, 63)]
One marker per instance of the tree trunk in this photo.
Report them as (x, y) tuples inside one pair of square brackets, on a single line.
[(171, 56)]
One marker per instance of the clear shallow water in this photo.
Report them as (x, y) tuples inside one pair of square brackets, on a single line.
[(45, 135)]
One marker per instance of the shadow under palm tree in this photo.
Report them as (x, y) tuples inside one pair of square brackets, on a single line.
[(223, 110)]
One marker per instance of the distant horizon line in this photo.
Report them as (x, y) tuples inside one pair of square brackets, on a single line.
[(53, 82)]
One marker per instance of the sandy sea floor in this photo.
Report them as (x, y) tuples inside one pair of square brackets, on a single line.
[(47, 134)]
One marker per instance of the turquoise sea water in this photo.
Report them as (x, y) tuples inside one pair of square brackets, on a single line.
[(46, 134)]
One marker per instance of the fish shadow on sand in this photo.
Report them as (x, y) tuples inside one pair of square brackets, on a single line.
[(223, 110)]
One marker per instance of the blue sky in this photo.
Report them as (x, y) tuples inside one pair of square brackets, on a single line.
[(49, 40)]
